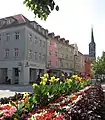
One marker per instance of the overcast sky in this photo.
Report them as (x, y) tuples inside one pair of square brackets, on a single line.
[(73, 21)]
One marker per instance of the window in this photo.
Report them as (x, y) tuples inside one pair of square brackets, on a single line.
[(43, 57), (30, 54), (56, 63), (17, 35), (35, 55), (56, 53), (6, 53), (67, 56), (8, 21), (39, 56), (7, 37), (30, 37), (0, 36), (67, 65), (49, 63), (40, 42), (35, 39), (44, 44), (49, 52), (50, 42), (16, 52), (62, 55)]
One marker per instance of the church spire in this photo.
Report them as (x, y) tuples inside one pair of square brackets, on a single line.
[(92, 46), (92, 36)]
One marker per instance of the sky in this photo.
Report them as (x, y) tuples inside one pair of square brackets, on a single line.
[(73, 21)]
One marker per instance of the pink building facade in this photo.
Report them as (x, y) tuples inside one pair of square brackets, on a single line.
[(52, 53)]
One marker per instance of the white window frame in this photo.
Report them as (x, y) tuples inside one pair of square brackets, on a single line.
[(30, 37), (16, 52), (40, 43), (6, 55), (7, 36), (17, 35), (40, 56), (36, 55), (30, 53)]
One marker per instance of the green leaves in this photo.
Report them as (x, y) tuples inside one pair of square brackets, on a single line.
[(20, 108), (99, 65), (41, 8)]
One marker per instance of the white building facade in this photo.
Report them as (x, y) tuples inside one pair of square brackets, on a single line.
[(23, 50)]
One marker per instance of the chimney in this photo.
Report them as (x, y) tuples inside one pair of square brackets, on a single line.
[(51, 35)]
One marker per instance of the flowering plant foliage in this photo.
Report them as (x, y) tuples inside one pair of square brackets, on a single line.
[(44, 93), (7, 111), (56, 95)]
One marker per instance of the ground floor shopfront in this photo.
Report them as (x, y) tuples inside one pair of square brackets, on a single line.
[(20, 72)]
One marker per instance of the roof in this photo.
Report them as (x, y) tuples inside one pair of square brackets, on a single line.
[(17, 20)]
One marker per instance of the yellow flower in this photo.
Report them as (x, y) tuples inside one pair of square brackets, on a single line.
[(52, 80), (69, 80), (44, 80), (46, 76), (25, 95), (79, 79), (42, 83), (63, 74), (75, 76), (15, 118), (57, 79), (35, 85)]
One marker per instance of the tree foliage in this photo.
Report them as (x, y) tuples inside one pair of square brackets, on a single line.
[(99, 65), (41, 8)]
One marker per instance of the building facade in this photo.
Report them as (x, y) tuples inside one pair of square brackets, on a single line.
[(92, 47), (88, 63), (27, 51), (52, 52), (23, 49), (65, 54)]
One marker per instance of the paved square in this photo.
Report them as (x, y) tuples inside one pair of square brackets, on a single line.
[(10, 90)]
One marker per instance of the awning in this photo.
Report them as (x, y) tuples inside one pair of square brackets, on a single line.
[(67, 71)]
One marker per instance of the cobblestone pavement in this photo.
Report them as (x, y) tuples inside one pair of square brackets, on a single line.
[(10, 90)]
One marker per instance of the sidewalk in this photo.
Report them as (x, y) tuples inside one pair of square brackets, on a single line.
[(10, 90)]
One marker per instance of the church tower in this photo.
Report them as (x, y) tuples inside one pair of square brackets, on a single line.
[(92, 47)]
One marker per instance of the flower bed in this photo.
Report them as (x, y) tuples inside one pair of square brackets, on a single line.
[(67, 100)]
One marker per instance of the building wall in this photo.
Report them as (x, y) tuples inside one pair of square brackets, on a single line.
[(35, 47), (65, 54), (12, 43), (87, 64), (52, 54), (82, 62)]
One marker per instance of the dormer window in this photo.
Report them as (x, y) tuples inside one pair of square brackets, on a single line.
[(43, 32), (34, 25), (2, 22), (8, 21), (39, 28)]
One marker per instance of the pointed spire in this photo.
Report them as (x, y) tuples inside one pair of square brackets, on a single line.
[(92, 36)]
